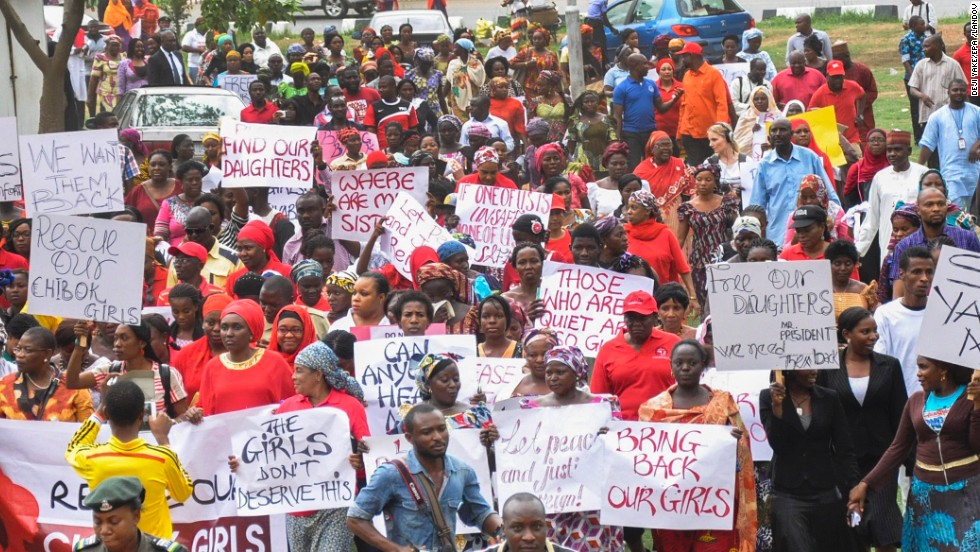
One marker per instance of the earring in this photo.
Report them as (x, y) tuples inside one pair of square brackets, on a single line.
[(943, 379)]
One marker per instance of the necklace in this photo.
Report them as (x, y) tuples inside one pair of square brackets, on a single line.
[(799, 405), (36, 386)]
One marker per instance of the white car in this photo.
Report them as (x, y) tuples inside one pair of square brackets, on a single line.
[(337, 9)]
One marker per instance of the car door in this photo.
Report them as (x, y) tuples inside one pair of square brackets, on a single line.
[(641, 15)]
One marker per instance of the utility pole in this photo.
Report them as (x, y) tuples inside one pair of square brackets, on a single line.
[(575, 63)]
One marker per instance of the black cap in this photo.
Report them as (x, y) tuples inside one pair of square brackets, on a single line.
[(531, 224), (116, 492), (808, 215)]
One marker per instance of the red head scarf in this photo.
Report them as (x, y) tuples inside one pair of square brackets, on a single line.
[(260, 233), (216, 303), (869, 165), (419, 258), (551, 146), (665, 61), (827, 166), (309, 333), (399, 70), (251, 313), (654, 137)]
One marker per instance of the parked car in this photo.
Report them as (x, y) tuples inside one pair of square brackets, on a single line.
[(337, 9), (426, 24), (54, 15), (162, 112), (704, 21)]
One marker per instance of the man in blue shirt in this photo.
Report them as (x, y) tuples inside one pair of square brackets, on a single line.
[(954, 131), (596, 18), (454, 483), (778, 181), (911, 50), (634, 100)]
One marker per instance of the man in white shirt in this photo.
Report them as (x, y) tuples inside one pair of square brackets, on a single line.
[(480, 113), (923, 10), (900, 320), (195, 44), (897, 182), (804, 28), (742, 86), (263, 47), (932, 76)]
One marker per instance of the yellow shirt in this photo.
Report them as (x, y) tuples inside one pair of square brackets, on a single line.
[(216, 270), (157, 467)]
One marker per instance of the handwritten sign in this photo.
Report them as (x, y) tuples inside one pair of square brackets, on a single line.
[(496, 377), (86, 268), (389, 331), (386, 371), (669, 476), (464, 445), (332, 148), (773, 316), (409, 227), (554, 453), (294, 462), (238, 84), (72, 173), (744, 387), (951, 327), (729, 71), (488, 212), (284, 200), (584, 304), (10, 189), (266, 155), (362, 197)]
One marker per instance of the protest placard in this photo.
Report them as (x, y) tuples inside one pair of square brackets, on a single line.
[(730, 71), (464, 444), (211, 180), (495, 377), (951, 327), (487, 213), (746, 179), (72, 173), (266, 155), (669, 476), (86, 268), (388, 331), (744, 387), (10, 188), (585, 304), (773, 316), (48, 493), (409, 227), (294, 462), (238, 85), (386, 371), (362, 197), (554, 453), (332, 148)]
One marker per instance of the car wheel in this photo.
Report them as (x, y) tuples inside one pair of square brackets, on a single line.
[(335, 9), (365, 9)]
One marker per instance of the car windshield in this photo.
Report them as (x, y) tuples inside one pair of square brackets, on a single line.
[(702, 8), (171, 110), (419, 24)]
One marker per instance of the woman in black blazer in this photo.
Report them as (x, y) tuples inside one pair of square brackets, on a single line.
[(812, 460), (872, 391)]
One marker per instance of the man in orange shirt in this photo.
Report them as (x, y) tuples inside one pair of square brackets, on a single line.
[(846, 96), (705, 102)]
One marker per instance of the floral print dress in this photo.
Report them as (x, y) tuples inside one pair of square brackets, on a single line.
[(708, 232), (107, 72), (538, 61), (428, 88)]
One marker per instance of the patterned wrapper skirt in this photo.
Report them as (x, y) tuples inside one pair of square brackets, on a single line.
[(943, 518), (323, 531)]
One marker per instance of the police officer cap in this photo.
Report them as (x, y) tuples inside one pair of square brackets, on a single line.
[(115, 492)]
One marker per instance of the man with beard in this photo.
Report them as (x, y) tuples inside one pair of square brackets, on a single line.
[(310, 214)]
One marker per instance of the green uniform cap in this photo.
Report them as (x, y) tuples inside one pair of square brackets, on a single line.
[(115, 492)]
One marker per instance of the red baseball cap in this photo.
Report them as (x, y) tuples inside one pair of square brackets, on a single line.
[(835, 68), (189, 249), (640, 302), (557, 203), (691, 48)]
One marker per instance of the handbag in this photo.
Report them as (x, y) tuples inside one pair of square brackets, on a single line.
[(447, 539), (546, 16)]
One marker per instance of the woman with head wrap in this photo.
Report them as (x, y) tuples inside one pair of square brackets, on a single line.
[(448, 289), (103, 90), (652, 240), (465, 75), (211, 142), (603, 195), (793, 107), (308, 277), (487, 165), (443, 47), (296, 87), (192, 358), (669, 85), (214, 61), (503, 46), (614, 241), (752, 49), (751, 132), (339, 287), (292, 331), (803, 137), (590, 132), (813, 191), (428, 80), (255, 242), (860, 175), (552, 162), (668, 179), (244, 376), (448, 132), (233, 66), (549, 103), (535, 58), (505, 106), (905, 220)]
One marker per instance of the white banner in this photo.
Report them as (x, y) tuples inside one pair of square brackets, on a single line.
[(731, 71), (258, 155), (554, 453), (386, 371), (487, 213), (464, 445), (585, 304), (951, 327), (10, 188), (773, 316), (362, 197), (496, 377), (87, 268), (669, 476), (408, 227), (744, 387), (72, 173), (238, 84)]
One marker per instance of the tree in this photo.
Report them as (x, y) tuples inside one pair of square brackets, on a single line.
[(53, 101), (178, 10), (247, 13)]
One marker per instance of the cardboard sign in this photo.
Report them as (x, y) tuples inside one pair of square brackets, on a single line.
[(284, 201), (409, 227), (362, 197), (294, 462), (258, 155), (773, 316), (332, 148), (464, 444), (823, 124), (584, 304), (554, 453), (238, 84), (730, 71), (487, 213), (386, 371), (669, 476), (745, 387), (72, 173), (951, 327), (496, 377), (389, 331), (86, 268), (10, 188)]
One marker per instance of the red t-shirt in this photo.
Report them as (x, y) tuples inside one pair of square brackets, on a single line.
[(262, 116), (634, 376), (786, 87), (268, 381), (10, 261), (501, 182), (845, 105), (963, 57), (562, 245), (795, 253), (658, 246), (381, 113), (512, 111), (361, 101)]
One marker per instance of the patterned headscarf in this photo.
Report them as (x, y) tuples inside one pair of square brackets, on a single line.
[(295, 48), (442, 39), (479, 129), (416, 159), (535, 28), (304, 268), (534, 334), (552, 77), (605, 226), (536, 126), (451, 119), (712, 168), (441, 271), (345, 280), (448, 249), (570, 356), (517, 311), (485, 155), (425, 55), (320, 357), (500, 35), (499, 81), (615, 148), (646, 199), (815, 183), (347, 133), (909, 212), (429, 366)]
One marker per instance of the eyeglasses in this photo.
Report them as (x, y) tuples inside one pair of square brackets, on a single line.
[(289, 331), (27, 350), (20, 235), (193, 231)]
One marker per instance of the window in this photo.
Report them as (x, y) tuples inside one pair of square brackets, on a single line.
[(702, 8), (648, 10), (170, 110), (618, 13)]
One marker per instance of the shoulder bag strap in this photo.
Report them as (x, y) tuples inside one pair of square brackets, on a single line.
[(447, 538)]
